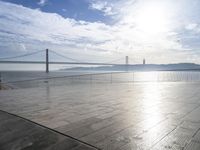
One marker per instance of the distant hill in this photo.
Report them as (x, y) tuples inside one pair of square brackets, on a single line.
[(141, 67)]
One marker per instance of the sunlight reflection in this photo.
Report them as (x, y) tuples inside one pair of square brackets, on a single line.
[(149, 112), (150, 102), (147, 76)]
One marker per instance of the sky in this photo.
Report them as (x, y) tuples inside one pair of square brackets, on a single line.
[(161, 31)]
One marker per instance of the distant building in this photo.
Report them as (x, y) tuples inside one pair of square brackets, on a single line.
[(144, 61)]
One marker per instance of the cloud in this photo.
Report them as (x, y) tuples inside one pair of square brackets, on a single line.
[(64, 10), (42, 2), (23, 47), (194, 27), (93, 40), (103, 6), (191, 26)]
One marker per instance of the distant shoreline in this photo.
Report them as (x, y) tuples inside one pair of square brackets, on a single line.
[(140, 67)]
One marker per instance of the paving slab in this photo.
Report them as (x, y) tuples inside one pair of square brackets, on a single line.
[(145, 115), (17, 133)]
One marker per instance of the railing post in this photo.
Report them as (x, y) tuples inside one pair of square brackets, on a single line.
[(127, 63), (111, 77), (0, 80), (47, 60)]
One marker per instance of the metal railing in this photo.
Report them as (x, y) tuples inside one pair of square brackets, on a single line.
[(109, 78)]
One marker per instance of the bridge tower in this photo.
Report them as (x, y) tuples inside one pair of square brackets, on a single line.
[(126, 60), (144, 62), (47, 60)]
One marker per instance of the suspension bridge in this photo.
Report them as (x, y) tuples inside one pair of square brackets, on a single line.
[(8, 60)]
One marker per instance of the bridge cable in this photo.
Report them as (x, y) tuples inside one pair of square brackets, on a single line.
[(18, 56), (64, 56), (136, 61), (113, 61), (69, 58)]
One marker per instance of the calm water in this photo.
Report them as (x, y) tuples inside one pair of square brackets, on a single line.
[(38, 79)]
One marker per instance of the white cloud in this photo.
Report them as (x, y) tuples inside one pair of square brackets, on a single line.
[(92, 40), (64, 10), (194, 27), (42, 2), (23, 47), (103, 6), (191, 26)]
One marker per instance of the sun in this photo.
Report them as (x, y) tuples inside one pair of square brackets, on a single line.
[(152, 18)]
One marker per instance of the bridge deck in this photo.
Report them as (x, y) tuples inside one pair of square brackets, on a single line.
[(163, 115)]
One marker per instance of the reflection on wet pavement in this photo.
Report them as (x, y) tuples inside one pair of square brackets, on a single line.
[(145, 115)]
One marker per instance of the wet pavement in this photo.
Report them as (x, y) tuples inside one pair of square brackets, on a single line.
[(20, 134), (145, 115)]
